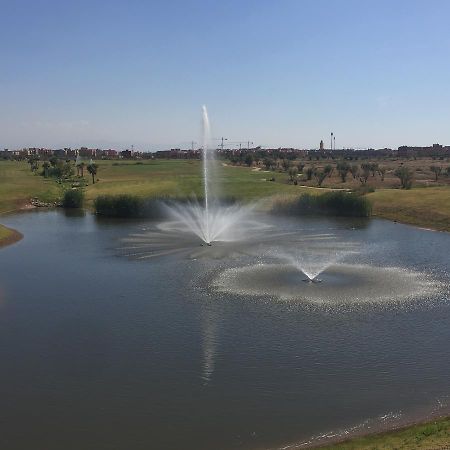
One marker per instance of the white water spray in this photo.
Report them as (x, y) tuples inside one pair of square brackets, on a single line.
[(211, 221), (205, 142)]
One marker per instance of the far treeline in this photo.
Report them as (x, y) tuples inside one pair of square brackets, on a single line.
[(316, 172)]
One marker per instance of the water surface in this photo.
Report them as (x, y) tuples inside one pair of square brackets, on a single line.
[(101, 351)]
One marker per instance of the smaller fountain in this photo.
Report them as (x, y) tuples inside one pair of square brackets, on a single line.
[(316, 253)]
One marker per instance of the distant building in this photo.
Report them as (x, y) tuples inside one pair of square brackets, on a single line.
[(321, 146), (436, 150)]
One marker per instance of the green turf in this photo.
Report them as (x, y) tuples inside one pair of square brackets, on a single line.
[(18, 184), (426, 207), (4, 232), (182, 178), (433, 435)]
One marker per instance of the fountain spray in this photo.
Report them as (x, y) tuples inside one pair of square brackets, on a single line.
[(206, 137)]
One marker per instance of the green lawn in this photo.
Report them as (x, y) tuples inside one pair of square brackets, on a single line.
[(182, 178), (8, 236), (430, 436), (4, 232), (426, 207), (18, 184)]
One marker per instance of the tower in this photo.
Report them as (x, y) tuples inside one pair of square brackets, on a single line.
[(321, 146)]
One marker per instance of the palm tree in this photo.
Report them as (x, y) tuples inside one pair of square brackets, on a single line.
[(92, 169)]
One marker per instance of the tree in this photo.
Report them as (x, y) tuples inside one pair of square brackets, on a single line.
[(321, 175), (46, 166), (382, 172), (343, 167), (267, 163), (293, 172), (286, 164), (33, 162), (310, 172), (92, 169), (53, 161), (373, 167), (328, 169), (354, 170), (406, 176), (67, 170), (364, 176), (437, 171), (248, 159)]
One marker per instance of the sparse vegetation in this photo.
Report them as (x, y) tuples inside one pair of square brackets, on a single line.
[(73, 198), (335, 203)]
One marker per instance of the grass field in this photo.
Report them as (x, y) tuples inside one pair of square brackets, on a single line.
[(181, 178), (426, 207), (422, 206), (429, 436), (18, 184), (8, 236), (4, 233)]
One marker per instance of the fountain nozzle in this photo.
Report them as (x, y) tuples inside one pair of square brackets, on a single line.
[(312, 280)]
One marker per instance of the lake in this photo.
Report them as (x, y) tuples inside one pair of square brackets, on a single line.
[(103, 347)]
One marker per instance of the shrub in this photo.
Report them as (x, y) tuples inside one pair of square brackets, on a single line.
[(73, 198), (330, 203), (406, 176), (119, 206), (363, 189)]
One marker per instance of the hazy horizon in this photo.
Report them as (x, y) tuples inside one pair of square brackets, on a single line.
[(115, 74)]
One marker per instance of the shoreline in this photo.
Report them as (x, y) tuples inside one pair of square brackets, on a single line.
[(389, 432), (351, 439), (12, 236)]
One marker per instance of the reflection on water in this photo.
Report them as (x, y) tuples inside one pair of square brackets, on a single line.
[(210, 328), (194, 349)]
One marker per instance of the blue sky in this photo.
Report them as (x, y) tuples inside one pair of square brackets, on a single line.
[(279, 73)]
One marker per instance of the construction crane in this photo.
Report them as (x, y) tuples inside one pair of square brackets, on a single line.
[(221, 139), (238, 142), (243, 142)]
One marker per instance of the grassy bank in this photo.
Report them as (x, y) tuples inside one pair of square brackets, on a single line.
[(8, 236), (426, 436), (18, 184), (424, 207), (427, 207)]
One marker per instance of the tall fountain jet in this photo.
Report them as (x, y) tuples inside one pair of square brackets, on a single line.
[(206, 181)]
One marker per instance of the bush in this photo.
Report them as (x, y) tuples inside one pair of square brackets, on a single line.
[(73, 198), (130, 206), (119, 206), (406, 176), (364, 189), (330, 203)]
